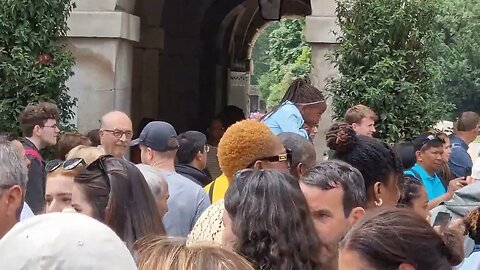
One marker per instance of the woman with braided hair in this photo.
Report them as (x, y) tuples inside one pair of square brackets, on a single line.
[(378, 163), (301, 106)]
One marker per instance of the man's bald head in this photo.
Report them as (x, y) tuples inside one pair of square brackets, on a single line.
[(116, 133), (113, 118), (303, 152)]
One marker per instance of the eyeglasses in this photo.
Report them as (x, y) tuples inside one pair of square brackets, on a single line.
[(55, 126), (119, 133), (66, 165), (207, 148), (279, 158)]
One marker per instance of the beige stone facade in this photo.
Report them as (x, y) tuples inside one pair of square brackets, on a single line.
[(178, 60)]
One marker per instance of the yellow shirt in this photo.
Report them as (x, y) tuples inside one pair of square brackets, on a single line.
[(217, 189)]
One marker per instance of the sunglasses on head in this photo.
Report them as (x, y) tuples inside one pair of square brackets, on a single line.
[(432, 137), (279, 158), (101, 165), (68, 165)]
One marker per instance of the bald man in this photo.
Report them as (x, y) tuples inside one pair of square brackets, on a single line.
[(116, 133), (303, 153)]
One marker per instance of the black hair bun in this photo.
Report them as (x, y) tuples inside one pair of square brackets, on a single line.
[(341, 138)]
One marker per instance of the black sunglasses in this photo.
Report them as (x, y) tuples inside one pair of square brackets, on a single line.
[(279, 158), (66, 165)]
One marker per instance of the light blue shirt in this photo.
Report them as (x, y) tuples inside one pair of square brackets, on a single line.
[(26, 212), (432, 183), (470, 263), (186, 203), (287, 118)]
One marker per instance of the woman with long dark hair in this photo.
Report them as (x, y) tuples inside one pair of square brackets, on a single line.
[(115, 192), (267, 220)]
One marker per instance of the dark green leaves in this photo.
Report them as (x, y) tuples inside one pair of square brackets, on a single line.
[(28, 30), (385, 59)]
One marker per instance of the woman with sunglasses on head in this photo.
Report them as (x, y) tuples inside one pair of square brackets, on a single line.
[(115, 192), (58, 190), (429, 150), (267, 220)]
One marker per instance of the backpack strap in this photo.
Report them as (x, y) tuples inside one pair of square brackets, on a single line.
[(210, 191), (416, 174), (34, 153)]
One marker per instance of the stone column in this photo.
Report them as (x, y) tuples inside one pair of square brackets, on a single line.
[(319, 33), (101, 39)]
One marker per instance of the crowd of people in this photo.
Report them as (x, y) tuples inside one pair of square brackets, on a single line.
[(244, 194)]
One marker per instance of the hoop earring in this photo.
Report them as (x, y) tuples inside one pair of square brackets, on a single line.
[(379, 203)]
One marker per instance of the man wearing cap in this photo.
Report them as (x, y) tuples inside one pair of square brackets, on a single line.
[(13, 181), (158, 147), (192, 157)]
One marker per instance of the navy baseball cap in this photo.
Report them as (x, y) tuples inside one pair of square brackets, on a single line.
[(158, 135)]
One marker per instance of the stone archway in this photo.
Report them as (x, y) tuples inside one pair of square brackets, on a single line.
[(173, 59)]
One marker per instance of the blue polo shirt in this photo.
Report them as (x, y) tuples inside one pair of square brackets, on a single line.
[(432, 183), (287, 118), (460, 162)]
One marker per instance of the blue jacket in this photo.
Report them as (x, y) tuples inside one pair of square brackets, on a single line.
[(287, 118)]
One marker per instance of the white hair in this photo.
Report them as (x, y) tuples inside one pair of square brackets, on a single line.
[(12, 169), (154, 178)]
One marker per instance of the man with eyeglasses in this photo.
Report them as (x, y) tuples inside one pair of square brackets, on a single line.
[(13, 181), (39, 124), (192, 157), (116, 133)]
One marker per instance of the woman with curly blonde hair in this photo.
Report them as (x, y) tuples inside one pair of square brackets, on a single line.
[(159, 253)]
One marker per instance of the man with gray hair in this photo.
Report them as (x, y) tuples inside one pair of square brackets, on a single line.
[(303, 152), (158, 186), (13, 182), (335, 194)]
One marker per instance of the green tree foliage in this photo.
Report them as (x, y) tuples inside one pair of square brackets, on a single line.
[(260, 53), (288, 58), (34, 64), (459, 54), (385, 62)]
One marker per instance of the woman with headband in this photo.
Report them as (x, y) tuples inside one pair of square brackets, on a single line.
[(300, 110)]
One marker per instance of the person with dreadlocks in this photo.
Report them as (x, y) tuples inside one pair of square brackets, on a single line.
[(378, 163), (301, 106)]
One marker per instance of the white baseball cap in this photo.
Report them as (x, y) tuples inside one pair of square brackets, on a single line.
[(63, 241)]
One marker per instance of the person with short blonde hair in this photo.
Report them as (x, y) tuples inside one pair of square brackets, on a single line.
[(362, 119), (160, 253), (88, 153)]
